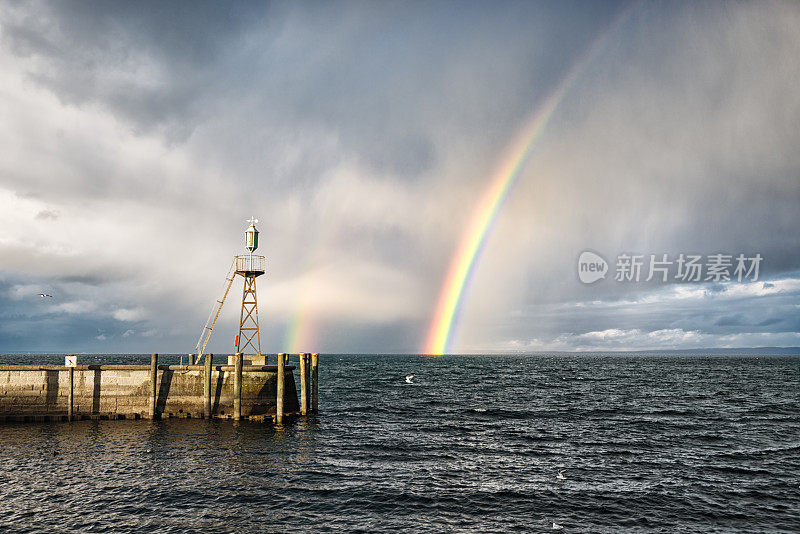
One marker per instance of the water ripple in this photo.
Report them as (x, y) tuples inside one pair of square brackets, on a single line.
[(492, 444)]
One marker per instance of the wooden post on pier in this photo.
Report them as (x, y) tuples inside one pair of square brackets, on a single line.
[(207, 386), (70, 396), (153, 384), (279, 399), (237, 386), (314, 383), (303, 384)]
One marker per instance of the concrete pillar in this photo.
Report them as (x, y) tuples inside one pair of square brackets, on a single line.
[(303, 384), (70, 395), (207, 386), (314, 383), (153, 384), (280, 387), (237, 387)]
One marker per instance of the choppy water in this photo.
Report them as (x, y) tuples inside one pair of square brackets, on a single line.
[(643, 443)]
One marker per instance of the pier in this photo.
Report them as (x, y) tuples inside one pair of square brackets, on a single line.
[(246, 387), (238, 391)]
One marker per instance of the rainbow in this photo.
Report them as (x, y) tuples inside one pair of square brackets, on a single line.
[(295, 331), (300, 329), (463, 264)]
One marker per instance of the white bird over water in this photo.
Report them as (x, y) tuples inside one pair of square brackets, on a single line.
[(408, 379), (556, 526), (560, 476), (43, 295)]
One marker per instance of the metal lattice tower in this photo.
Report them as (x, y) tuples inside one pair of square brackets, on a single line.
[(249, 267), (249, 334), (248, 341)]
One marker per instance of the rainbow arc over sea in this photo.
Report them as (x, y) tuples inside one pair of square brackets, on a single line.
[(473, 240), (300, 330), (297, 331)]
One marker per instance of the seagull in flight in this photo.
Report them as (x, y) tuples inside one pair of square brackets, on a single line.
[(43, 295)]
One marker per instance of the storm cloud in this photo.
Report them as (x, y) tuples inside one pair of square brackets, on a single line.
[(138, 137)]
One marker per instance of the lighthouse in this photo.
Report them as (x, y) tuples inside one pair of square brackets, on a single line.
[(249, 267)]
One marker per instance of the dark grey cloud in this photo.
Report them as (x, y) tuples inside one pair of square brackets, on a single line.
[(771, 321), (377, 75), (697, 315), (363, 134), (729, 320), (151, 62)]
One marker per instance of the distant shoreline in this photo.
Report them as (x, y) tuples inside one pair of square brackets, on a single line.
[(741, 351)]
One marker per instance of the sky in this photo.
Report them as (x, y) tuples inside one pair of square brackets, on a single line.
[(136, 138)]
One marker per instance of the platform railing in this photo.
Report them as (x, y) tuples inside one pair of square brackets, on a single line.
[(248, 263)]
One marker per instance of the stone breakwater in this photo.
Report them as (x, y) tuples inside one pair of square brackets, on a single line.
[(46, 392)]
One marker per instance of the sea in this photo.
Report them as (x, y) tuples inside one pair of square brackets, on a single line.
[(408, 443)]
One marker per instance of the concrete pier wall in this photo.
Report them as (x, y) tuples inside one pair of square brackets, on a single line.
[(125, 391)]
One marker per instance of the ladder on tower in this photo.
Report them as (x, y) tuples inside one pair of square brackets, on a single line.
[(215, 311)]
